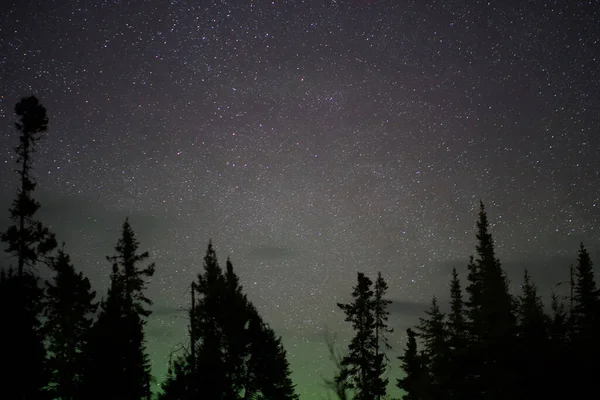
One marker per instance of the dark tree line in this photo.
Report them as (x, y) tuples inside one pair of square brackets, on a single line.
[(496, 345), (58, 342), (490, 344), (232, 354)]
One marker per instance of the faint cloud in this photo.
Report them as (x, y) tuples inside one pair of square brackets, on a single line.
[(271, 253), (407, 308)]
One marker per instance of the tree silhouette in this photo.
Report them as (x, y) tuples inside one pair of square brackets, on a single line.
[(268, 368), (532, 344), (23, 366), (358, 365), (28, 240), (233, 353), (491, 319), (436, 352), (414, 381), (586, 323), (116, 352), (380, 316), (69, 310), (456, 328), (586, 298), (210, 363)]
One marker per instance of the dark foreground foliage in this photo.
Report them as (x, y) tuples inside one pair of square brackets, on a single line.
[(57, 342)]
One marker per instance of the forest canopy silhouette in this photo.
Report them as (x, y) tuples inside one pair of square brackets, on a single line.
[(61, 341)]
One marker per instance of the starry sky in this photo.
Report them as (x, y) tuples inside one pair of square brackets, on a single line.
[(309, 139)]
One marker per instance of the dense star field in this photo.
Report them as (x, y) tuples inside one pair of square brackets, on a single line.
[(309, 140)]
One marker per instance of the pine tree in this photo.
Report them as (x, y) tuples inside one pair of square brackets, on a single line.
[(414, 380), (28, 240), (381, 314), (586, 324), (210, 363), (456, 318), (23, 367), (474, 301), (358, 364), (116, 352), (532, 320), (233, 353), (436, 352), (236, 311), (491, 320), (458, 340), (532, 343), (268, 367), (69, 310), (587, 297)]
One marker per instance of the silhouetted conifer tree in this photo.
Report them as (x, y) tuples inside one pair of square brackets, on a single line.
[(268, 368), (236, 355), (491, 319), (586, 298), (116, 352), (415, 374), (358, 365), (22, 365), (236, 312), (28, 240), (456, 318), (456, 326), (210, 363), (69, 310), (436, 351), (586, 324), (380, 315), (532, 344)]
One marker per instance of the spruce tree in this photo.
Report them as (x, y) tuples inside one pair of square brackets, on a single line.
[(209, 347), (358, 365), (532, 343), (233, 353), (586, 312), (268, 368), (491, 319), (414, 381), (456, 327), (436, 352), (69, 310), (532, 320), (586, 323), (380, 314), (23, 367), (236, 311), (116, 352), (456, 318), (28, 240)]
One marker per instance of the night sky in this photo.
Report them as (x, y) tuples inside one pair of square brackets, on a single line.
[(309, 140)]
